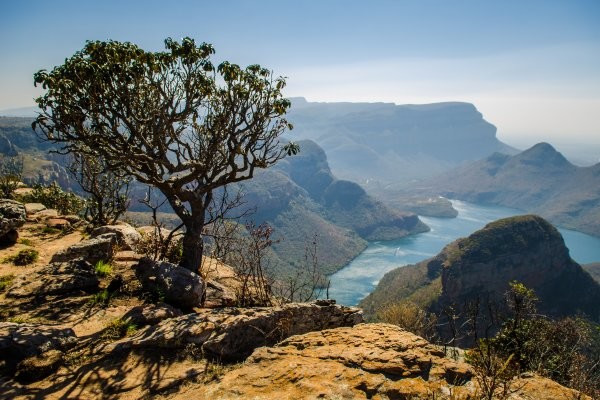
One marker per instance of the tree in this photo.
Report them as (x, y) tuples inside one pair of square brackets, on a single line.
[(168, 119), (11, 174), (107, 190)]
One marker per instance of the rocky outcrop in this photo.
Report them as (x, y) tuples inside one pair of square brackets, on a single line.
[(100, 248), (151, 314), (56, 279), (232, 334), (480, 267), (367, 361), (526, 249), (364, 361), (127, 236), (12, 216), (178, 286), (19, 342)]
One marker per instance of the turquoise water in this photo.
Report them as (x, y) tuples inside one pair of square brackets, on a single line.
[(359, 277)]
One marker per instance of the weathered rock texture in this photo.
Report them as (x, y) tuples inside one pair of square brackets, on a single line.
[(178, 286), (56, 279), (22, 341), (127, 236), (12, 216), (232, 334), (101, 248), (364, 361), (151, 314), (367, 361)]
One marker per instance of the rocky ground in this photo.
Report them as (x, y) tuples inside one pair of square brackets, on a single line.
[(68, 331)]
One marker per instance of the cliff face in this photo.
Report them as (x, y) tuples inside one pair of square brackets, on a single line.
[(526, 248), (388, 143)]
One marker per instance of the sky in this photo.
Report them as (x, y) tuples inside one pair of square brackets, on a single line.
[(531, 67)]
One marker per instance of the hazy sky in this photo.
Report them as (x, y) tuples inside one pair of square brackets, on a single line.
[(531, 67)]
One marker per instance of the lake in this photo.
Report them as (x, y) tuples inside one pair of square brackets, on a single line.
[(359, 278)]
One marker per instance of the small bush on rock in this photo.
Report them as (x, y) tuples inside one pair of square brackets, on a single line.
[(24, 257)]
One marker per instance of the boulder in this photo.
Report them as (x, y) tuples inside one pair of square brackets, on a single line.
[(365, 361), (38, 367), (178, 286), (127, 236), (55, 279), (34, 208), (232, 334), (58, 223), (12, 216), (22, 341), (151, 314), (100, 248)]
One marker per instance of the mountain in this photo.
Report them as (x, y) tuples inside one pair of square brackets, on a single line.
[(300, 197), (478, 268), (378, 144), (538, 180)]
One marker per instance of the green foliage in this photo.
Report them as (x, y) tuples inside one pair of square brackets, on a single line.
[(102, 298), (211, 126), (11, 173), (5, 281), (53, 196), (103, 268), (24, 257), (25, 241), (119, 328), (566, 350)]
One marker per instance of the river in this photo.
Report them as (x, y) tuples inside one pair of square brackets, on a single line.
[(359, 278)]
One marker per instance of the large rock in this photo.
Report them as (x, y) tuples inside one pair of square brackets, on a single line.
[(100, 248), (151, 314), (364, 361), (12, 216), (22, 341), (127, 236), (367, 361), (56, 279), (232, 334), (178, 286)]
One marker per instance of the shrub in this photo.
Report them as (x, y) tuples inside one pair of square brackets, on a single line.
[(53, 196), (119, 328), (103, 268), (409, 316), (5, 282), (24, 257), (101, 298), (26, 242)]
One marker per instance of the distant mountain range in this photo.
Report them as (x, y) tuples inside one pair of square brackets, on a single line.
[(299, 197), (538, 180), (382, 144)]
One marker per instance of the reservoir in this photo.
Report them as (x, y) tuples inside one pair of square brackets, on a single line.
[(359, 278)]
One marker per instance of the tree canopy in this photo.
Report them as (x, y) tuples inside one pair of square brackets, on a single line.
[(169, 119)]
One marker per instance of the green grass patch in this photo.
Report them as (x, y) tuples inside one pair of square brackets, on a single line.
[(5, 281), (119, 328), (101, 298), (23, 257), (103, 268), (26, 242)]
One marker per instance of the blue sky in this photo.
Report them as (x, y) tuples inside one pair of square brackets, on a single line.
[(531, 67)]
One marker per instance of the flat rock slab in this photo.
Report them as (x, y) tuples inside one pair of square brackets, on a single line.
[(101, 248), (21, 341), (55, 279), (232, 334), (33, 208)]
